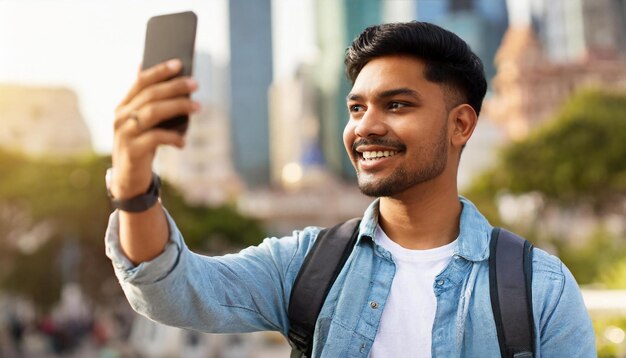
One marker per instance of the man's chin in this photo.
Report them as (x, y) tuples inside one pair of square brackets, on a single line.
[(377, 190), (369, 193)]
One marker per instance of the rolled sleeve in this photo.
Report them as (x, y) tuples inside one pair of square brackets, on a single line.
[(146, 272), (243, 292)]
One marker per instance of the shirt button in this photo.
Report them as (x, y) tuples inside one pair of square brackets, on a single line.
[(374, 304), (441, 282)]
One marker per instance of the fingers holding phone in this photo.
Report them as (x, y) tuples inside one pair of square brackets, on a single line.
[(152, 75), (156, 96), (151, 114), (178, 87)]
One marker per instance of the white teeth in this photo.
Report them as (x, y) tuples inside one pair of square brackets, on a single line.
[(379, 154)]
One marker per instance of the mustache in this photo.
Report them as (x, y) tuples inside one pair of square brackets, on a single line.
[(383, 142)]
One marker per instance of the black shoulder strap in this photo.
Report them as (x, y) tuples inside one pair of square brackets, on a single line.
[(319, 270), (510, 276)]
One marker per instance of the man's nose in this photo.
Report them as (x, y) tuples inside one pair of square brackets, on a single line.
[(370, 124)]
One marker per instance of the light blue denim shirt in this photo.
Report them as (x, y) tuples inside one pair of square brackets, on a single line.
[(249, 291)]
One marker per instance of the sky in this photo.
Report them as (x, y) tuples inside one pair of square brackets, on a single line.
[(94, 47)]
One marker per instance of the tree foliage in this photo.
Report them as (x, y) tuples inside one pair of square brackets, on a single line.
[(579, 156), (53, 215), (211, 230), (601, 260), (67, 197)]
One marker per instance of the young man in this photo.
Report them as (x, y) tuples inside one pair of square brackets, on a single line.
[(417, 281)]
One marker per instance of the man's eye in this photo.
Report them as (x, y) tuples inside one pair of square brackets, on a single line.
[(396, 105), (355, 108)]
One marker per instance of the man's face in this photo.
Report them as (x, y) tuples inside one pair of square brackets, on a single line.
[(397, 135)]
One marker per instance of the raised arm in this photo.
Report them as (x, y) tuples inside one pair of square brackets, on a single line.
[(154, 97)]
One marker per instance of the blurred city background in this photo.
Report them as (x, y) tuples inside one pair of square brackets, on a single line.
[(264, 157)]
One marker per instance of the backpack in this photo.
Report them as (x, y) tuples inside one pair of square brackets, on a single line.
[(509, 288)]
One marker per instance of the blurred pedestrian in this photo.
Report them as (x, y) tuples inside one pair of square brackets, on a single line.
[(16, 330)]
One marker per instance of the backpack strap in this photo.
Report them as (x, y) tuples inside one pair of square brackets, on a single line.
[(319, 270), (510, 277)]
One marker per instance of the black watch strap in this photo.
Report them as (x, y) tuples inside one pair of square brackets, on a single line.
[(141, 202)]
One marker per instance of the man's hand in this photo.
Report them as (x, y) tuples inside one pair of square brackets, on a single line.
[(154, 97)]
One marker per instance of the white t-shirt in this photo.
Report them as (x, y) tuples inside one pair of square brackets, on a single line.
[(406, 324)]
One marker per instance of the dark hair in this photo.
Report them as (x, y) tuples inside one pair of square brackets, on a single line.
[(448, 59)]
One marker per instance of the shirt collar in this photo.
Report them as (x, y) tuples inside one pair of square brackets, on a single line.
[(473, 239)]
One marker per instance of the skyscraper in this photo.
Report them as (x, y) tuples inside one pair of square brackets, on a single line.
[(538, 72), (250, 78)]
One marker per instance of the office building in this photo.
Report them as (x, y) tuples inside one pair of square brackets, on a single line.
[(42, 121), (534, 79), (250, 79)]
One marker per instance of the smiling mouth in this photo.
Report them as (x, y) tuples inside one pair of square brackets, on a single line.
[(373, 155)]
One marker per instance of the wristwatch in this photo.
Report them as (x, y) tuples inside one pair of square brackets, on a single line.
[(138, 203)]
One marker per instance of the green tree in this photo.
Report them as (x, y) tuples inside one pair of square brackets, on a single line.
[(211, 230), (578, 157), (61, 204), (601, 260), (53, 215)]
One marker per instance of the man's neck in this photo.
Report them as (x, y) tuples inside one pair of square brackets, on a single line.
[(424, 217)]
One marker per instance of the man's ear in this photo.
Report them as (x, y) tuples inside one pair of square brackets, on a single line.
[(462, 119)]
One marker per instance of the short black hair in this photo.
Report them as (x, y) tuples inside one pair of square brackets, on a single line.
[(448, 59)]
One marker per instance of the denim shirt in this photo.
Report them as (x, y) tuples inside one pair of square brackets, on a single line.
[(249, 291)]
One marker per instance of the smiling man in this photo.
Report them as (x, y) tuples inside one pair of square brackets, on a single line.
[(417, 281)]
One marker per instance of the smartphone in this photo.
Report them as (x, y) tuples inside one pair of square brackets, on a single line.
[(171, 36)]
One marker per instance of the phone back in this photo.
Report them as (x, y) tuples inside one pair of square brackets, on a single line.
[(171, 36)]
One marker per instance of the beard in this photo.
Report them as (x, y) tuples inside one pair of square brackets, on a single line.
[(410, 174)]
